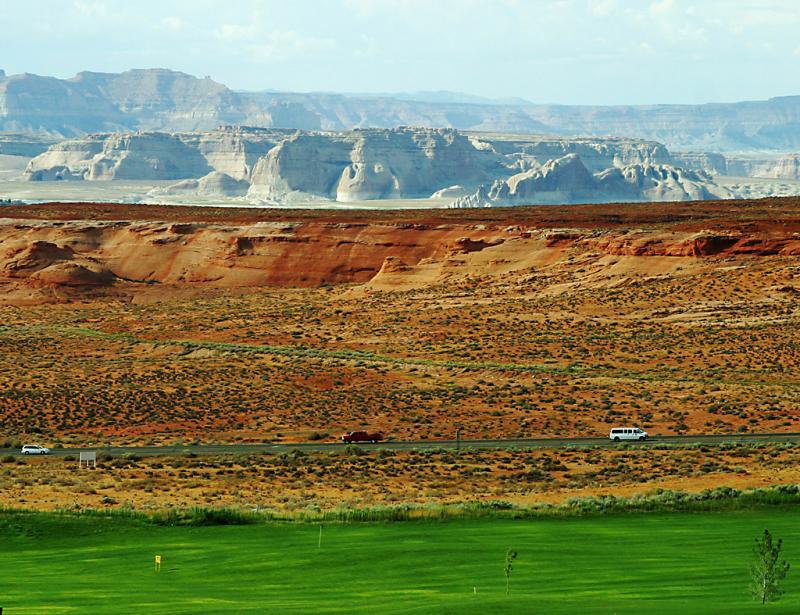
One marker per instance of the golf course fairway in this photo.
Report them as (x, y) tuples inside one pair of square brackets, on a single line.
[(630, 563)]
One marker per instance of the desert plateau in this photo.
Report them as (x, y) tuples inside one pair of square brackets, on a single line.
[(145, 324), (369, 306)]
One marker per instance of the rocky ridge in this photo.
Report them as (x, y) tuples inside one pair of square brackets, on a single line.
[(164, 100), (763, 165), (274, 166), (124, 255), (567, 180), (154, 155)]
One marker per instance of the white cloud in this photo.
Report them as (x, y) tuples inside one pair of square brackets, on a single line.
[(452, 44), (286, 43), (603, 7), (172, 23), (267, 43), (661, 7), (425, 9), (366, 9), (236, 32), (93, 8)]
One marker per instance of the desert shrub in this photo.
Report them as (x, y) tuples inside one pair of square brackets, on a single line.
[(536, 474), (204, 516), (493, 505), (659, 501)]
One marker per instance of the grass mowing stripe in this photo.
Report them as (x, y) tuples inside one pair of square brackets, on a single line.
[(626, 564)]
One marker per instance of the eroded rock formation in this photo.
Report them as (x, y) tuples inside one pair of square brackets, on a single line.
[(154, 155), (567, 180), (50, 260), (279, 166)]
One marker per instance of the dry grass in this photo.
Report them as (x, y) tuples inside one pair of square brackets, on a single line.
[(516, 339), (354, 478), (713, 350)]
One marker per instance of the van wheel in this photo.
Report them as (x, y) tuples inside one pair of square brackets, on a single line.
[(641, 438), (616, 439)]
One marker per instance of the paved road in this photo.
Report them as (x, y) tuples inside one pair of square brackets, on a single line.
[(244, 449)]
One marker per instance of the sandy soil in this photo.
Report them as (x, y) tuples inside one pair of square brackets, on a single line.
[(297, 481), (509, 323)]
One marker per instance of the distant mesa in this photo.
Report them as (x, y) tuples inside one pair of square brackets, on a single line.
[(278, 166), (284, 148), (170, 101), (567, 180)]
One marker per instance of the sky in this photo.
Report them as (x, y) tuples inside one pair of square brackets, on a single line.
[(545, 51)]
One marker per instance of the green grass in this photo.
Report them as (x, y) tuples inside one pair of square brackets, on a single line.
[(633, 563)]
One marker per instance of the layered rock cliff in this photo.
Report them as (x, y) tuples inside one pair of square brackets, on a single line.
[(763, 165), (597, 154), (24, 145), (567, 180), (125, 252), (768, 167), (150, 100), (373, 164), (158, 99), (279, 166), (154, 155)]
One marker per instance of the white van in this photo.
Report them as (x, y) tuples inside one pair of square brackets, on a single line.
[(627, 433)]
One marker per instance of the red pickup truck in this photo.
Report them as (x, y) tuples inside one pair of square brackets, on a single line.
[(361, 436)]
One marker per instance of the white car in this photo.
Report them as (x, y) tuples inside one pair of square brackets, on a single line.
[(627, 433), (35, 449)]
